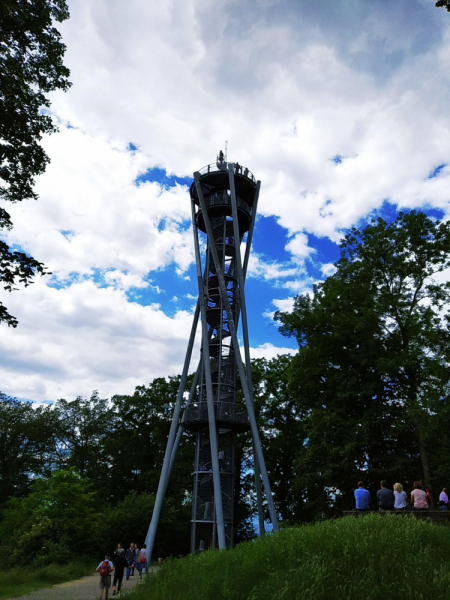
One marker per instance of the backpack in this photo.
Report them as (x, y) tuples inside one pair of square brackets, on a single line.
[(104, 569)]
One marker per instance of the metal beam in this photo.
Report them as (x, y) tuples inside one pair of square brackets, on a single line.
[(259, 504), (162, 486), (181, 427)]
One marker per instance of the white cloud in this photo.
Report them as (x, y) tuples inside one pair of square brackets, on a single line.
[(73, 340), (284, 305), (270, 351), (91, 215), (328, 269), (298, 247), (273, 270), (124, 281), (290, 85)]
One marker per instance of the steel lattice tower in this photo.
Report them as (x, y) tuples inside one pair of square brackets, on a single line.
[(224, 198)]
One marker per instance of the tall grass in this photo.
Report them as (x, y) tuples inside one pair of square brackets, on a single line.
[(23, 580), (371, 558)]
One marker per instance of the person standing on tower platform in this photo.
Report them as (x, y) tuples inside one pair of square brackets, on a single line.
[(221, 157)]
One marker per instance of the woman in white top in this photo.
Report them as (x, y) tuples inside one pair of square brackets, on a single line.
[(400, 497)]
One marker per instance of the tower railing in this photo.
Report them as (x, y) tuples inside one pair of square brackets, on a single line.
[(224, 412), (214, 167)]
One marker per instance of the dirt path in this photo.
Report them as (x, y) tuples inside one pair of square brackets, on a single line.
[(85, 588)]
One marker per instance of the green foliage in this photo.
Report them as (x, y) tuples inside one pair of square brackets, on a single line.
[(128, 522), (281, 429), (443, 4), (55, 521), (31, 66), (374, 557), (371, 378), (20, 581), (26, 444)]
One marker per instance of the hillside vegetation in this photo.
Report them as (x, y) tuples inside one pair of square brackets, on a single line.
[(370, 558)]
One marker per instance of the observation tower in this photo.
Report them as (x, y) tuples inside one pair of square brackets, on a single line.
[(224, 198)]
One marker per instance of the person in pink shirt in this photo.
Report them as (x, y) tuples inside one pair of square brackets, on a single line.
[(419, 498)]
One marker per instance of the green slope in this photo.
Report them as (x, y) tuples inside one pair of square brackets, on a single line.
[(370, 558)]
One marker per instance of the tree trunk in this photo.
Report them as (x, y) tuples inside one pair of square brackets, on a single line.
[(424, 459)]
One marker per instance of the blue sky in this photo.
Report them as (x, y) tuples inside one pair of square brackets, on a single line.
[(339, 108)]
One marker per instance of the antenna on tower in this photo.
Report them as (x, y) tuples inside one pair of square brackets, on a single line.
[(226, 150)]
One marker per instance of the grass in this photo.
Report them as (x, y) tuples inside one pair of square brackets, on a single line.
[(370, 558), (19, 581)]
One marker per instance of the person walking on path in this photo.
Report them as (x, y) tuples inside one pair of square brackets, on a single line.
[(362, 497), (136, 558), (385, 497), (419, 498), (120, 564), (130, 555), (443, 500), (142, 560), (119, 550), (105, 569), (400, 497)]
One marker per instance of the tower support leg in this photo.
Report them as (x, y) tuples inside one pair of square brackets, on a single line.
[(150, 539), (181, 428), (241, 273)]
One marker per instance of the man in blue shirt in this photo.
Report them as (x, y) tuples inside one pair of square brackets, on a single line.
[(362, 497)]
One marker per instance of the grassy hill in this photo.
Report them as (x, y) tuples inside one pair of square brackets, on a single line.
[(375, 557)]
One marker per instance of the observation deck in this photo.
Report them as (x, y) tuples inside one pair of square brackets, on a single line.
[(215, 184), (227, 415)]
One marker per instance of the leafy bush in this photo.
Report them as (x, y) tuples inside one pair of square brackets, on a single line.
[(128, 521), (374, 557), (57, 520)]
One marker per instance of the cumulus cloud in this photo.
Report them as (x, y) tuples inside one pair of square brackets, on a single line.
[(336, 107), (269, 351), (328, 269), (92, 215), (76, 339)]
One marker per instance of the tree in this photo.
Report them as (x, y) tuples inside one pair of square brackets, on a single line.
[(26, 448), (31, 66), (443, 4), (129, 519), (136, 446), (281, 429), (55, 521), (372, 375), (81, 430)]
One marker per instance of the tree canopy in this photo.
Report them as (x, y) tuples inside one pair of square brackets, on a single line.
[(371, 379), (443, 4), (31, 66)]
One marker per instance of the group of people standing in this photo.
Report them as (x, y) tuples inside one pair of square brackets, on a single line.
[(397, 499), (124, 563)]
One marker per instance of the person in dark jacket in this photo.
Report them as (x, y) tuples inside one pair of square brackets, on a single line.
[(385, 497), (130, 555), (120, 564)]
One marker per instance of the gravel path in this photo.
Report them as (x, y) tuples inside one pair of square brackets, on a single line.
[(85, 588)]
